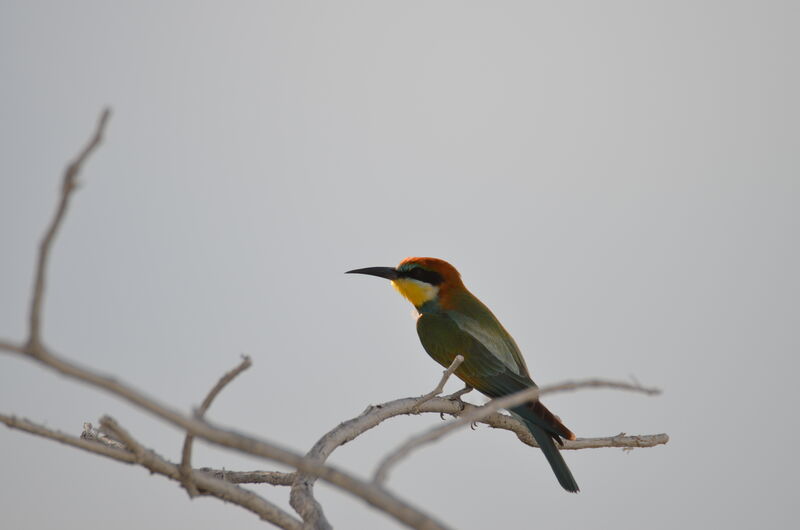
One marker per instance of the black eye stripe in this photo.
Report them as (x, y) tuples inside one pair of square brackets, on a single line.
[(423, 275)]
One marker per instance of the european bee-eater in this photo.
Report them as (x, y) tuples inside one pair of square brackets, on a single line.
[(453, 321)]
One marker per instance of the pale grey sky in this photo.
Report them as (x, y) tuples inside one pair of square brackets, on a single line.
[(618, 181)]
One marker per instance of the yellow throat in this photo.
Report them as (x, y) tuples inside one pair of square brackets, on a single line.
[(415, 291)]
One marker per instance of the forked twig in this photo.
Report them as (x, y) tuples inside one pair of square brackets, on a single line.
[(120, 451), (35, 349), (186, 460), (121, 446)]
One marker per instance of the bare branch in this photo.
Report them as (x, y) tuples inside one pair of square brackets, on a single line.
[(210, 485), (621, 440), (388, 503), (505, 422), (275, 478), (92, 446), (302, 497), (224, 380), (476, 414), (67, 187), (90, 433), (35, 349), (443, 381), (186, 460), (309, 468), (13, 348), (598, 383)]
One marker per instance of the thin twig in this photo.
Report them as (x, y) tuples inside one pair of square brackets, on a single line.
[(302, 495), (210, 484), (68, 185), (219, 488), (309, 468), (349, 430), (598, 383), (621, 440), (35, 349), (13, 348), (505, 422), (93, 446), (186, 460), (274, 478), (443, 381), (93, 441), (476, 414), (109, 426), (383, 500), (90, 433)]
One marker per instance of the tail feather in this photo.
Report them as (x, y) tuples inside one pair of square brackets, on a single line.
[(547, 429), (554, 458), (549, 421)]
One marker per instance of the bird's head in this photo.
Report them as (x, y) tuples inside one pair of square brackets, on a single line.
[(419, 280)]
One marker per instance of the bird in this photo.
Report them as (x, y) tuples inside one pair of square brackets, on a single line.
[(452, 321)]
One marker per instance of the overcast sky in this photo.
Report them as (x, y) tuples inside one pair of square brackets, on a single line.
[(617, 180)]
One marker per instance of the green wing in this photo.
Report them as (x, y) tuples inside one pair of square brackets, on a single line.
[(443, 339), (476, 319)]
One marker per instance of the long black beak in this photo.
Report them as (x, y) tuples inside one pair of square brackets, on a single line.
[(390, 273)]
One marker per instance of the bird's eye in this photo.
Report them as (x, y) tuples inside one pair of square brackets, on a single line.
[(417, 274)]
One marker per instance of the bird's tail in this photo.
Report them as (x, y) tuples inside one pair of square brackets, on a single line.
[(538, 414), (545, 439)]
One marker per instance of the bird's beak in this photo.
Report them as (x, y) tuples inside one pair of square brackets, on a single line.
[(390, 273)]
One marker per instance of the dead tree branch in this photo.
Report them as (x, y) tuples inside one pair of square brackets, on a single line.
[(274, 478), (68, 185), (93, 446), (35, 349), (186, 460), (135, 453), (568, 386), (380, 499), (116, 443), (302, 495), (480, 413), (476, 414), (443, 381)]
